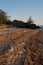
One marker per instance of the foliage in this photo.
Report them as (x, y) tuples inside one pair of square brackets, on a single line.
[(30, 21), (3, 17), (21, 24)]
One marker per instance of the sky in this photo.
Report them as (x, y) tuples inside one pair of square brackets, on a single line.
[(23, 9)]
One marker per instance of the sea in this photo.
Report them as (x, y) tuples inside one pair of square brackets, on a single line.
[(41, 27)]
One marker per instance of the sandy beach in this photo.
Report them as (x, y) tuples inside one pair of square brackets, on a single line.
[(21, 47)]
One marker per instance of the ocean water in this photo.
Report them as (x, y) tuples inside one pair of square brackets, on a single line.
[(41, 27)]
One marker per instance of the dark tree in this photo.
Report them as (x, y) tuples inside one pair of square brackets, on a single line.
[(3, 17), (30, 21)]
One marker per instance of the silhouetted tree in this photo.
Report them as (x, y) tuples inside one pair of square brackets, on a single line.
[(18, 23), (30, 21), (3, 17), (21, 24), (8, 22)]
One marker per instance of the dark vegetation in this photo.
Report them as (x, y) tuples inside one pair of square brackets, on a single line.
[(4, 19), (21, 24)]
